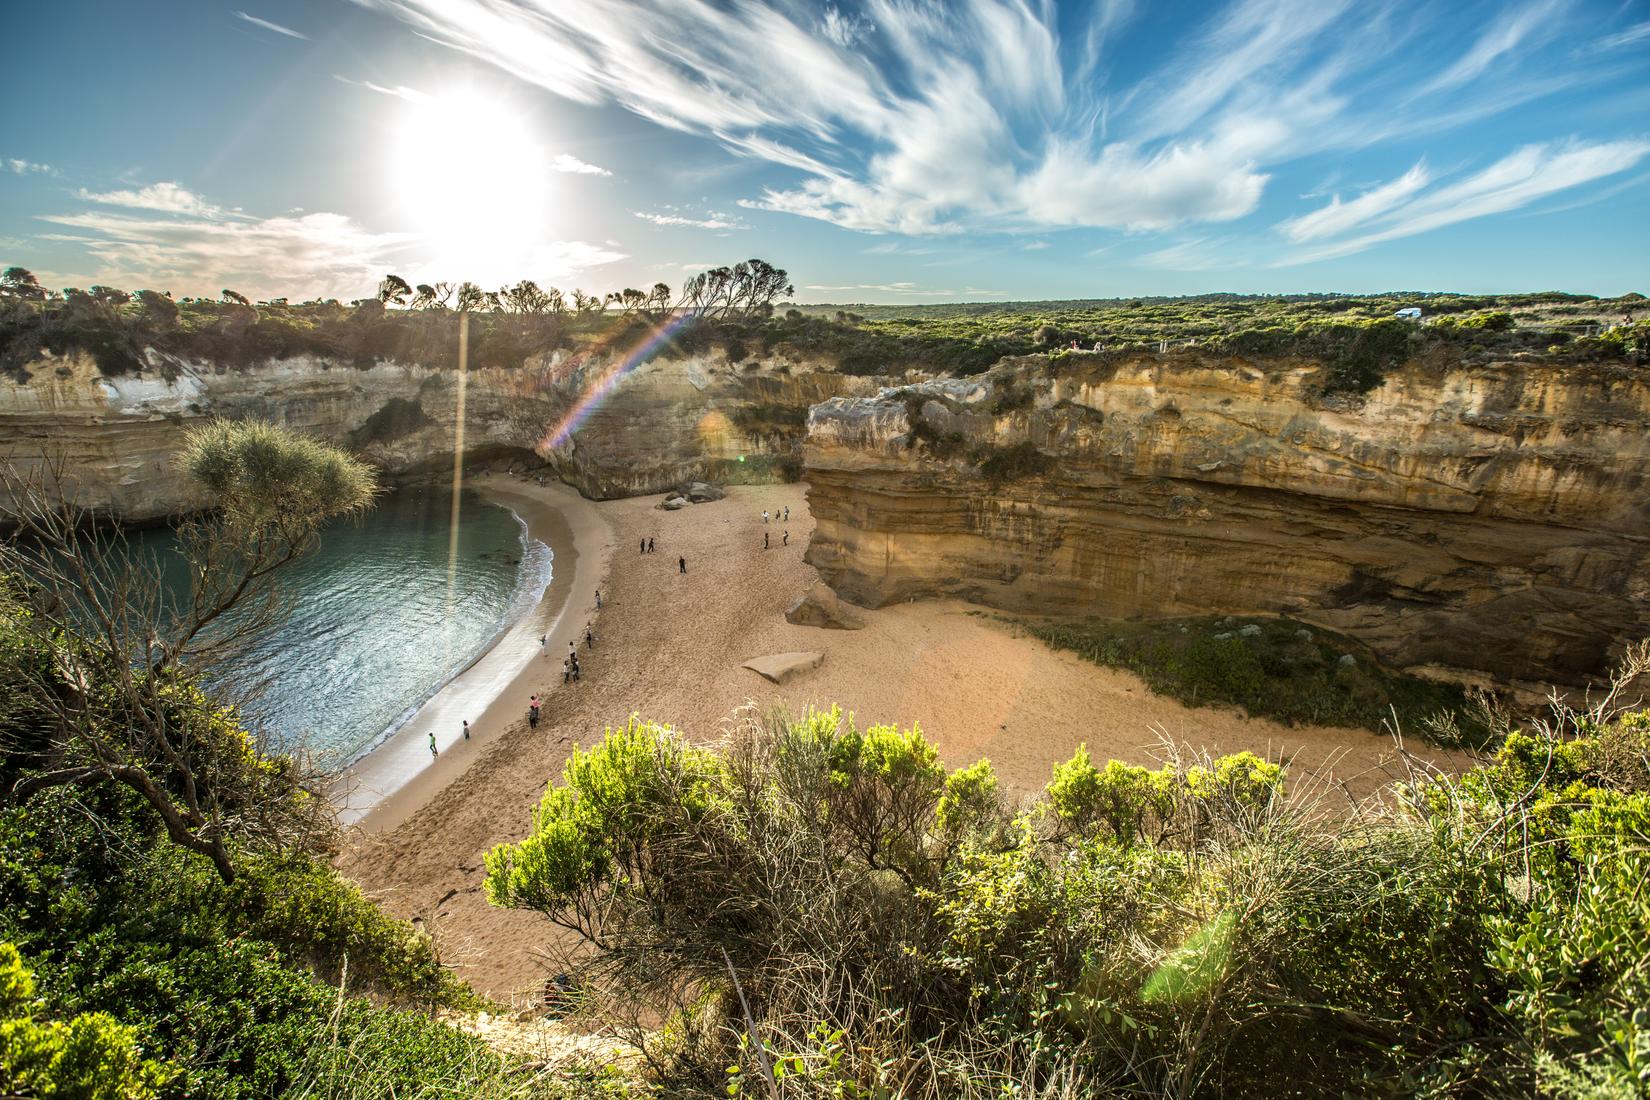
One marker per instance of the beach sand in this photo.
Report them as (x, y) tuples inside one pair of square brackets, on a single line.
[(669, 648)]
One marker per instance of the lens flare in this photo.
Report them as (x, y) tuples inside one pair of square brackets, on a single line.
[(599, 389)]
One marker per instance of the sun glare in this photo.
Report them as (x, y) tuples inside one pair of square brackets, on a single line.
[(471, 177)]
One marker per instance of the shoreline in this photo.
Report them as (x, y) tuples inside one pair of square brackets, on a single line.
[(397, 776)]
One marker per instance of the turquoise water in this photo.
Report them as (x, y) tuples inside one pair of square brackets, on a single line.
[(372, 631)]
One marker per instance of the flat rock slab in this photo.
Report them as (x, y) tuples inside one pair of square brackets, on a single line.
[(780, 667)]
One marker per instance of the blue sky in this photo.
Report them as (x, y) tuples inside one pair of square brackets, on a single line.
[(890, 151)]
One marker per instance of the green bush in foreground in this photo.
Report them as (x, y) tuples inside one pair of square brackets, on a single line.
[(129, 967), (1202, 929)]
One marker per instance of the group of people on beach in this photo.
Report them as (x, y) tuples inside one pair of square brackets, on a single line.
[(785, 539), (570, 664)]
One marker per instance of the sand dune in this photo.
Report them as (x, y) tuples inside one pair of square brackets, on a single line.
[(670, 647)]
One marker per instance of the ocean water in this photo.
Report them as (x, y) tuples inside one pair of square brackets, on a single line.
[(373, 630)]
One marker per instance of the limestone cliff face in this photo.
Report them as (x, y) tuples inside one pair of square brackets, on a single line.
[(607, 430), (1483, 521)]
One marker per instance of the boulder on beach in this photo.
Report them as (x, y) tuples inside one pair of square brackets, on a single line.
[(700, 492), (779, 667), (821, 607), (673, 503)]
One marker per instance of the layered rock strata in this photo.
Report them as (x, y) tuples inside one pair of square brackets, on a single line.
[(606, 426), (1484, 522)]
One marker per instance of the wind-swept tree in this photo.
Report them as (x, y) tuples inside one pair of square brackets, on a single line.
[(658, 300), (110, 295), (586, 303), (158, 308), (629, 300), (393, 290), (470, 297), (233, 298), (19, 282), (525, 297), (120, 660)]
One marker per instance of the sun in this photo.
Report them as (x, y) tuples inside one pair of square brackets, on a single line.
[(472, 179)]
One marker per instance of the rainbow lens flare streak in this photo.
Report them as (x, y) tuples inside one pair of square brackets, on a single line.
[(598, 390)]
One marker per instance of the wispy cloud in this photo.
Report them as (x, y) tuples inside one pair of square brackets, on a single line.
[(268, 26), (1506, 32), (1638, 32), (1200, 254), (566, 162), (711, 221), (399, 91), (1338, 217), (1406, 207), (167, 197), (18, 167)]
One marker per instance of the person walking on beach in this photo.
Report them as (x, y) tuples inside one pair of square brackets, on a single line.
[(574, 661), (787, 513), (786, 541), (433, 750), (533, 712), (643, 550), (589, 637), (598, 599), (566, 670), (650, 546), (466, 729), (681, 565), (764, 540), (764, 515)]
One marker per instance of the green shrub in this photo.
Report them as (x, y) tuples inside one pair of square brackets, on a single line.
[(89, 1057)]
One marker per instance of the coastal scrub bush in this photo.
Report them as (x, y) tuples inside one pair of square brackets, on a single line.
[(89, 1057), (878, 925)]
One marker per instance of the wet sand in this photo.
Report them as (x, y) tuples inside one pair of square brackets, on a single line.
[(670, 648)]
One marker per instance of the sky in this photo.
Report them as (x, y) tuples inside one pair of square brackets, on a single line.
[(894, 151)]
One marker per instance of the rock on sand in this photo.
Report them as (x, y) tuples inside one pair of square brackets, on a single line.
[(820, 606), (780, 667)]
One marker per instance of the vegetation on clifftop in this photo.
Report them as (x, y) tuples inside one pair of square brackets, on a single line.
[(739, 311)]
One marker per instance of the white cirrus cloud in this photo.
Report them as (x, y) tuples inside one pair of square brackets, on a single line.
[(268, 26), (1338, 216), (1407, 208), (167, 197), (566, 162), (710, 221), (19, 167), (399, 91)]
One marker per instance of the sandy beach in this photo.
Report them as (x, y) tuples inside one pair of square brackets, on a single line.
[(669, 647)]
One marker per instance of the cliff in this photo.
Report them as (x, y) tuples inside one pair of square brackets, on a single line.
[(629, 428), (1482, 521)]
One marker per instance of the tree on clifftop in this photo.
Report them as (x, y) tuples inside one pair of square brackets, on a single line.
[(19, 282), (118, 659), (394, 290)]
